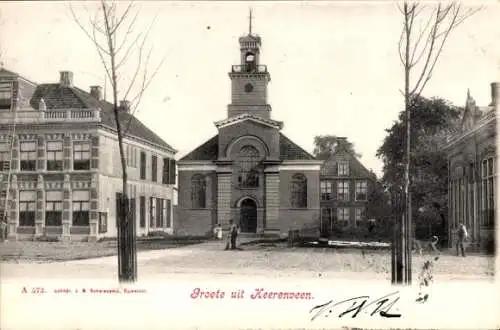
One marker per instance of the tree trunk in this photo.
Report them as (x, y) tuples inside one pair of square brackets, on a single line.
[(127, 259)]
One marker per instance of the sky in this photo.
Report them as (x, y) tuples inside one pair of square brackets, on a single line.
[(334, 66)]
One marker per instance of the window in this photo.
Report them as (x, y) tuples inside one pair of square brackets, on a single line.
[(198, 189), (169, 171), (27, 204), (248, 161), (488, 180), (81, 207), (4, 157), (53, 208), (28, 156), (343, 168), (159, 213), (154, 168), (5, 95), (54, 156), (360, 215), (152, 210), (143, 165), (299, 191), (343, 190), (81, 156), (142, 211), (103, 222), (361, 190), (343, 216), (131, 156), (326, 190)]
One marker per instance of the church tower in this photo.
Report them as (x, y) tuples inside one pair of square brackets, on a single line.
[(249, 79)]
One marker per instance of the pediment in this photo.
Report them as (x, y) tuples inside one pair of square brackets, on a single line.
[(249, 117)]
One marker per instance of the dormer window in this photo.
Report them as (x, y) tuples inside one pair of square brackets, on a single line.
[(5, 95)]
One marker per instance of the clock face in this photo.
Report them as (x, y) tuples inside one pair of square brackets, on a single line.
[(248, 88)]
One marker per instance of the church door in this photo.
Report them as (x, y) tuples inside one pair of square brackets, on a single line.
[(248, 216)]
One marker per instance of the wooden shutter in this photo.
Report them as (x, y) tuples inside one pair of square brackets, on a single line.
[(165, 177), (169, 217), (171, 171), (142, 211)]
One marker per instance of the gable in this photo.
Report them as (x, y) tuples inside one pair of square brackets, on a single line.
[(209, 150), (356, 168)]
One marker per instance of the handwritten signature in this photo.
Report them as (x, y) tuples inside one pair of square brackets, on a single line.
[(382, 306)]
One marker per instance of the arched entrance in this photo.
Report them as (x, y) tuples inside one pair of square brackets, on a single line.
[(248, 216)]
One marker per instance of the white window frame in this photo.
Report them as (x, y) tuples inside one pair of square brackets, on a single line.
[(361, 186), (326, 187), (342, 195), (343, 168)]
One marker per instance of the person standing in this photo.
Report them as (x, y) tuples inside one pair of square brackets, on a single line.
[(231, 240), (233, 233), (462, 238)]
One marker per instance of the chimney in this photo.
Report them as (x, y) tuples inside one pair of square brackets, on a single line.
[(66, 79), (96, 92), (495, 94), (125, 105)]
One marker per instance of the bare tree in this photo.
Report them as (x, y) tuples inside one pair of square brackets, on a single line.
[(111, 30), (424, 34)]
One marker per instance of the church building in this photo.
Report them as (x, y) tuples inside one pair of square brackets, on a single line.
[(249, 172)]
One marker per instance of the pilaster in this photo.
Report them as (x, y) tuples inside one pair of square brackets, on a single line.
[(94, 211), (40, 162), (272, 201), (14, 209), (67, 208), (40, 207), (67, 147), (224, 177), (94, 152)]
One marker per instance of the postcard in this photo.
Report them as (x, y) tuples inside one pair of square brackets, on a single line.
[(248, 165)]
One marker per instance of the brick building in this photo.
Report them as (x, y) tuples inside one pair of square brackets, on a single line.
[(249, 171), (61, 172), (472, 158), (345, 185)]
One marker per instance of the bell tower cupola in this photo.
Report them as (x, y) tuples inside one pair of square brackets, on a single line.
[(249, 79)]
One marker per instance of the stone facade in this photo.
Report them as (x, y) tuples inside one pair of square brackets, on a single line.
[(472, 159), (249, 172), (61, 174)]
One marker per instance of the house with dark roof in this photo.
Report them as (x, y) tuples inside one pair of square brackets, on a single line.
[(250, 172), (472, 159), (61, 168), (345, 184)]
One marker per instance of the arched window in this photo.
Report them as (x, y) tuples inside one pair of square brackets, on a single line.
[(198, 191), (248, 161), (299, 191), (249, 62)]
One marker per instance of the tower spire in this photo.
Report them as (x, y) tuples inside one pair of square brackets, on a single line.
[(250, 22)]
